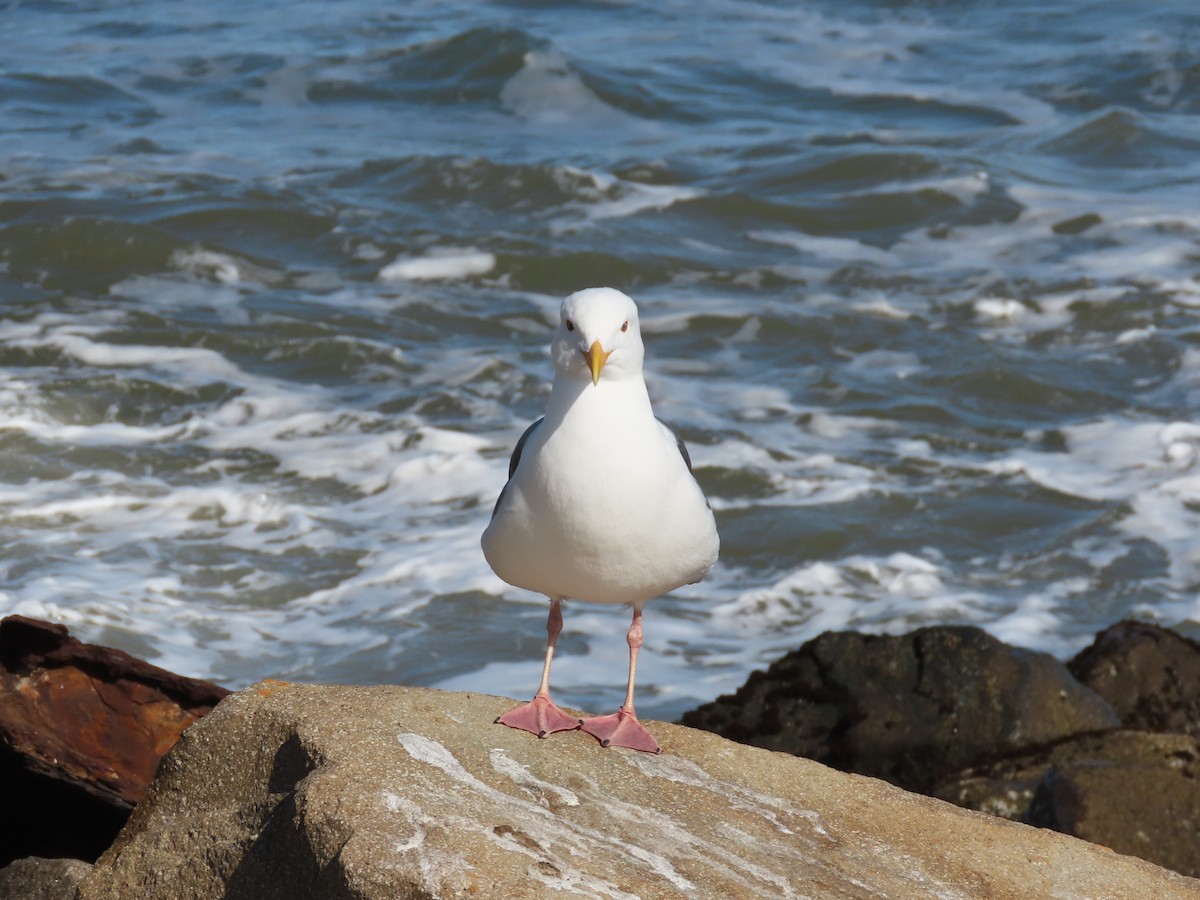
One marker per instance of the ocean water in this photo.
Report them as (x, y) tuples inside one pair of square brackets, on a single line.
[(920, 286)]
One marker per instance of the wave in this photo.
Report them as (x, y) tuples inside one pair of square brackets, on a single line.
[(1122, 138), (832, 173), (30, 94), (470, 67), (85, 253)]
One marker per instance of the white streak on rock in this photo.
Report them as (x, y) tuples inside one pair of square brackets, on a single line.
[(413, 813), (545, 828), (683, 771), (505, 765), (678, 841), (432, 863)]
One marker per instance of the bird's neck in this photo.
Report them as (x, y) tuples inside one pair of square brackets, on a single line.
[(574, 396)]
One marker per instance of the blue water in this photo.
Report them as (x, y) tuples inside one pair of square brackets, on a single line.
[(919, 286)]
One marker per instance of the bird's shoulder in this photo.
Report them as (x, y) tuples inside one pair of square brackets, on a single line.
[(674, 436), (683, 451), (515, 460)]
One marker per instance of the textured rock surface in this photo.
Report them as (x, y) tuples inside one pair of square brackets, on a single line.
[(34, 878), (910, 709), (82, 728), (310, 791), (1132, 791), (1150, 675)]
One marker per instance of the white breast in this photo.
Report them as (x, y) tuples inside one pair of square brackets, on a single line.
[(602, 506)]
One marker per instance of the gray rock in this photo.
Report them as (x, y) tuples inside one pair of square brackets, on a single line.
[(910, 709), (34, 878), (1150, 675), (302, 791)]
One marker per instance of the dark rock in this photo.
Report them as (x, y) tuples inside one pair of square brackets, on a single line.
[(1150, 675), (910, 709), (1149, 811), (1134, 792), (52, 816), (82, 728), (1007, 787), (1076, 224), (34, 878)]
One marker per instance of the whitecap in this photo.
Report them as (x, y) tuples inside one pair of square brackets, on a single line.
[(547, 91), (440, 264)]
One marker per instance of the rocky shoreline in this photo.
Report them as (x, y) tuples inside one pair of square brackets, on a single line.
[(1103, 748)]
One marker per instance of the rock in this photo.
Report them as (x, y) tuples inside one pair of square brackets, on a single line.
[(1146, 803), (82, 728), (308, 791), (1150, 675), (911, 709), (1134, 792), (34, 878)]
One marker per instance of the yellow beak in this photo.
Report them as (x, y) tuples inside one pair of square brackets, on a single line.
[(596, 358)]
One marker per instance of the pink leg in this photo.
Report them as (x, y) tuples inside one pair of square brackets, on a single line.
[(622, 728), (540, 716)]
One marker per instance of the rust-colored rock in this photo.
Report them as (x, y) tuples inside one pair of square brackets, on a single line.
[(82, 728)]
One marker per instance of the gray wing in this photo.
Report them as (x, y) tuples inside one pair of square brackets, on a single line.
[(678, 443), (515, 460), (682, 451)]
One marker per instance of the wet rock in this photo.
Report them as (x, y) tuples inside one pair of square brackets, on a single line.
[(1132, 791), (82, 728), (1150, 675), (307, 791), (34, 878), (911, 709)]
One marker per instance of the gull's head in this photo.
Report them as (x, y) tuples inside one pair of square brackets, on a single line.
[(598, 337)]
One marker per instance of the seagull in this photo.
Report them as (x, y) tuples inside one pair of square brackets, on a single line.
[(601, 504)]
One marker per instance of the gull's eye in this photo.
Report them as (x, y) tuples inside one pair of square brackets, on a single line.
[(570, 325), (625, 327)]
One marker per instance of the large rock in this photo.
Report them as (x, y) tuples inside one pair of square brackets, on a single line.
[(34, 878), (911, 709), (1150, 675), (1132, 791), (334, 792), (82, 728)]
